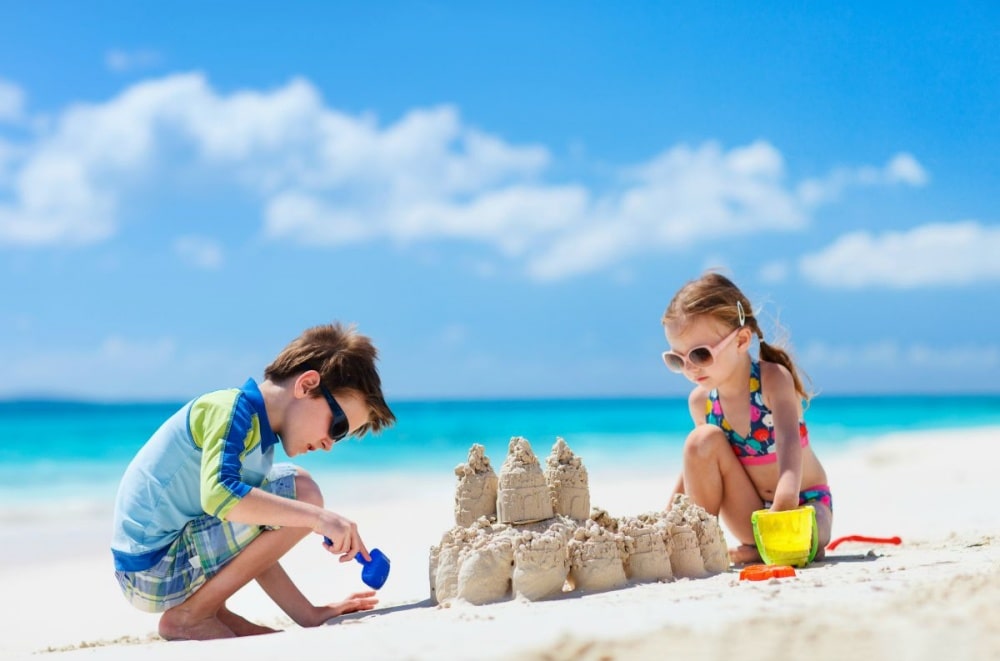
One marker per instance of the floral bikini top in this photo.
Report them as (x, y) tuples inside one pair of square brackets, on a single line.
[(758, 447)]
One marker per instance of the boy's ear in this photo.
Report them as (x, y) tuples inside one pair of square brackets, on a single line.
[(306, 382)]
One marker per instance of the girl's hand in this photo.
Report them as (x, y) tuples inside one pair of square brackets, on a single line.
[(784, 502)]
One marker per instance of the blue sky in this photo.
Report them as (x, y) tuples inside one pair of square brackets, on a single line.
[(504, 196)]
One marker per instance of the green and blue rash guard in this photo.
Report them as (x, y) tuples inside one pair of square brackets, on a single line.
[(202, 460)]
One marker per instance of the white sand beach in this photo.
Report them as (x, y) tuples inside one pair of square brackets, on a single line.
[(936, 595)]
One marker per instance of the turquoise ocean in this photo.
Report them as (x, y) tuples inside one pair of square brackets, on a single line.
[(59, 452)]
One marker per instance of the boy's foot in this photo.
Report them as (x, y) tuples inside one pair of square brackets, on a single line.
[(177, 624), (744, 554), (241, 626)]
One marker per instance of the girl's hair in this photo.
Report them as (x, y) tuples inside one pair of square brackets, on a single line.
[(714, 295), (345, 359)]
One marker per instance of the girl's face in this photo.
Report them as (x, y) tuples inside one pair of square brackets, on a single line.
[(710, 351)]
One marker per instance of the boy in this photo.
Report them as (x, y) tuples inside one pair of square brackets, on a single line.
[(201, 509)]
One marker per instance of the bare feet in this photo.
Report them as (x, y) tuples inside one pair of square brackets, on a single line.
[(744, 554), (178, 624), (241, 626)]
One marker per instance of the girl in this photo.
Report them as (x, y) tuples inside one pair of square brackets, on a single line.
[(749, 449)]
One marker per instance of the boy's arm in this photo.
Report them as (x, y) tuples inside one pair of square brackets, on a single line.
[(259, 507), (278, 585)]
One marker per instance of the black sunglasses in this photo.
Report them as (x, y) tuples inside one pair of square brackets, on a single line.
[(340, 426)]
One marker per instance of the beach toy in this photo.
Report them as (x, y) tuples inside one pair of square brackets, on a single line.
[(786, 538), (764, 572), (863, 538), (374, 572)]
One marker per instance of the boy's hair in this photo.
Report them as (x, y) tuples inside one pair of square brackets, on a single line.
[(714, 295), (345, 359)]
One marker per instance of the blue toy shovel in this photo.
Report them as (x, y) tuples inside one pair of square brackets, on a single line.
[(374, 572)]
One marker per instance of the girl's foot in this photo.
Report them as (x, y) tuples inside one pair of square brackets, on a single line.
[(744, 554)]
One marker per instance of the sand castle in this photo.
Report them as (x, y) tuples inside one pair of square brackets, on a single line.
[(533, 535)]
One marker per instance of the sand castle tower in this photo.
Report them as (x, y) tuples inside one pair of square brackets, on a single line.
[(473, 563), (567, 480), (443, 571), (484, 574), (541, 564), (685, 556), (596, 558), (476, 493), (522, 494), (648, 557), (707, 531)]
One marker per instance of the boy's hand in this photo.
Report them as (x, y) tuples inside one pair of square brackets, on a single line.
[(342, 535), (359, 601)]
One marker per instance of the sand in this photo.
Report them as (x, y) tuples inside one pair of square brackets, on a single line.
[(937, 595)]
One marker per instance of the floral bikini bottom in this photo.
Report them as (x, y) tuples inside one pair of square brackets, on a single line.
[(818, 493)]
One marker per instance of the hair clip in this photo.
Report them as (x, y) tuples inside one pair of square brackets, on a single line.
[(741, 313)]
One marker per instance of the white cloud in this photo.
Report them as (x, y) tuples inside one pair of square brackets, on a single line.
[(902, 168), (310, 220), (876, 354), (107, 365), (319, 171), (905, 169), (774, 272), (679, 198), (327, 178), (11, 102), (937, 254), (126, 368), (8, 154), (123, 61), (890, 354), (58, 204), (199, 251)]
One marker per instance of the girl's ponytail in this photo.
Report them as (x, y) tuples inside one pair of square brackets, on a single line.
[(775, 354)]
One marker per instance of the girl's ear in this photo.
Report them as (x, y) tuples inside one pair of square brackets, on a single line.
[(743, 339)]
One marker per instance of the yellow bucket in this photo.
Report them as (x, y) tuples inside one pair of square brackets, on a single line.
[(786, 538)]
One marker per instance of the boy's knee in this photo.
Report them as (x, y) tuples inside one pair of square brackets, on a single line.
[(704, 441), (307, 490)]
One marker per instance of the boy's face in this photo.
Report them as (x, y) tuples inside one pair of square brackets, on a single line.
[(308, 419)]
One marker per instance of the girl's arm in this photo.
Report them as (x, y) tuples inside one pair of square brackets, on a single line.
[(784, 402)]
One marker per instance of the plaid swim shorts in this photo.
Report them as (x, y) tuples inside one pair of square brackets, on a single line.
[(204, 547)]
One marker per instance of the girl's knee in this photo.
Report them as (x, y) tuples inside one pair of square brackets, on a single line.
[(824, 525), (704, 441), (306, 488)]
